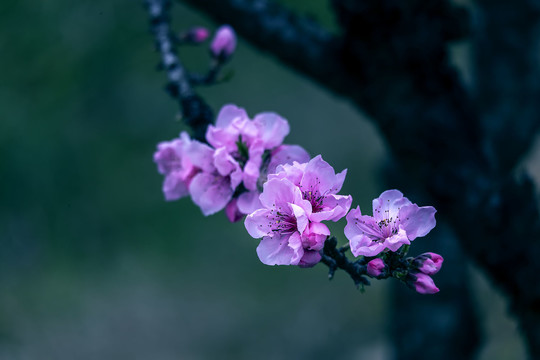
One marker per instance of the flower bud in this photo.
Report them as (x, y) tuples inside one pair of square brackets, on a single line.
[(424, 284), (429, 263), (224, 43), (375, 267), (197, 34), (232, 212)]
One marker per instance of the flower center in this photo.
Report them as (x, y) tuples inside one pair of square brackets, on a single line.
[(284, 223), (315, 199), (388, 227)]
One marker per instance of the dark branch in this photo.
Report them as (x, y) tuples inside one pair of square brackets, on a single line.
[(393, 64), (335, 259), (195, 112), (507, 82)]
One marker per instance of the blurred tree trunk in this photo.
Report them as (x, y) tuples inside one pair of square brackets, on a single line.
[(391, 61)]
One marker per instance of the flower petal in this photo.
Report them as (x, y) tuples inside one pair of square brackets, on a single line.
[(278, 193), (232, 212), (358, 224), (174, 186), (395, 241), (315, 236), (224, 162), (272, 129), (388, 204), (287, 154), (334, 208), (301, 217), (363, 245), (210, 192), (281, 250), (228, 113), (200, 155), (248, 202), (318, 175), (259, 223), (310, 259), (417, 221)]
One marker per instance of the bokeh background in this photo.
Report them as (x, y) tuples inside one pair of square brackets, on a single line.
[(94, 264)]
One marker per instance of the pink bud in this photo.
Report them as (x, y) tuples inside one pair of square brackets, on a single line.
[(199, 34), (424, 284), (224, 43), (429, 263), (232, 212), (375, 267)]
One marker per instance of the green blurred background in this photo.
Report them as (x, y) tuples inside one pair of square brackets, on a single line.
[(94, 264)]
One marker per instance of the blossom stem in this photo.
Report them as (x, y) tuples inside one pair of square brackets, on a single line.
[(335, 259), (195, 112)]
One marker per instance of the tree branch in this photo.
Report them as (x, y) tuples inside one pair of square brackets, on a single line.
[(195, 112), (392, 63), (507, 69)]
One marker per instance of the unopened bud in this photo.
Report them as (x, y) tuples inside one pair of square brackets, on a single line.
[(375, 267), (224, 43), (429, 263), (195, 35), (424, 284)]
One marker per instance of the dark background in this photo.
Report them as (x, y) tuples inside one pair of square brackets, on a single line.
[(94, 264)]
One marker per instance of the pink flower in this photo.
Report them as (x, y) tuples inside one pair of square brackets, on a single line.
[(395, 222), (283, 223), (375, 267), (429, 263), (294, 202), (213, 187), (319, 185), (424, 284), (249, 142), (172, 162), (224, 43)]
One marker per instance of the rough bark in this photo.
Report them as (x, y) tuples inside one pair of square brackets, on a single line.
[(391, 61)]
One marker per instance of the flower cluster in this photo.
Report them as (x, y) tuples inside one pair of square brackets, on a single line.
[(245, 169), (230, 169), (295, 201)]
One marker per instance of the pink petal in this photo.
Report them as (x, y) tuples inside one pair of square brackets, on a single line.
[(319, 175), (258, 224), (226, 131), (358, 224), (224, 162), (315, 236), (388, 204), (278, 193), (200, 155), (334, 208), (251, 169), (232, 212), (210, 192), (396, 241), (272, 129), (228, 113), (174, 186), (248, 202), (301, 217), (281, 250), (417, 221), (293, 172), (287, 154), (363, 245), (310, 259)]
